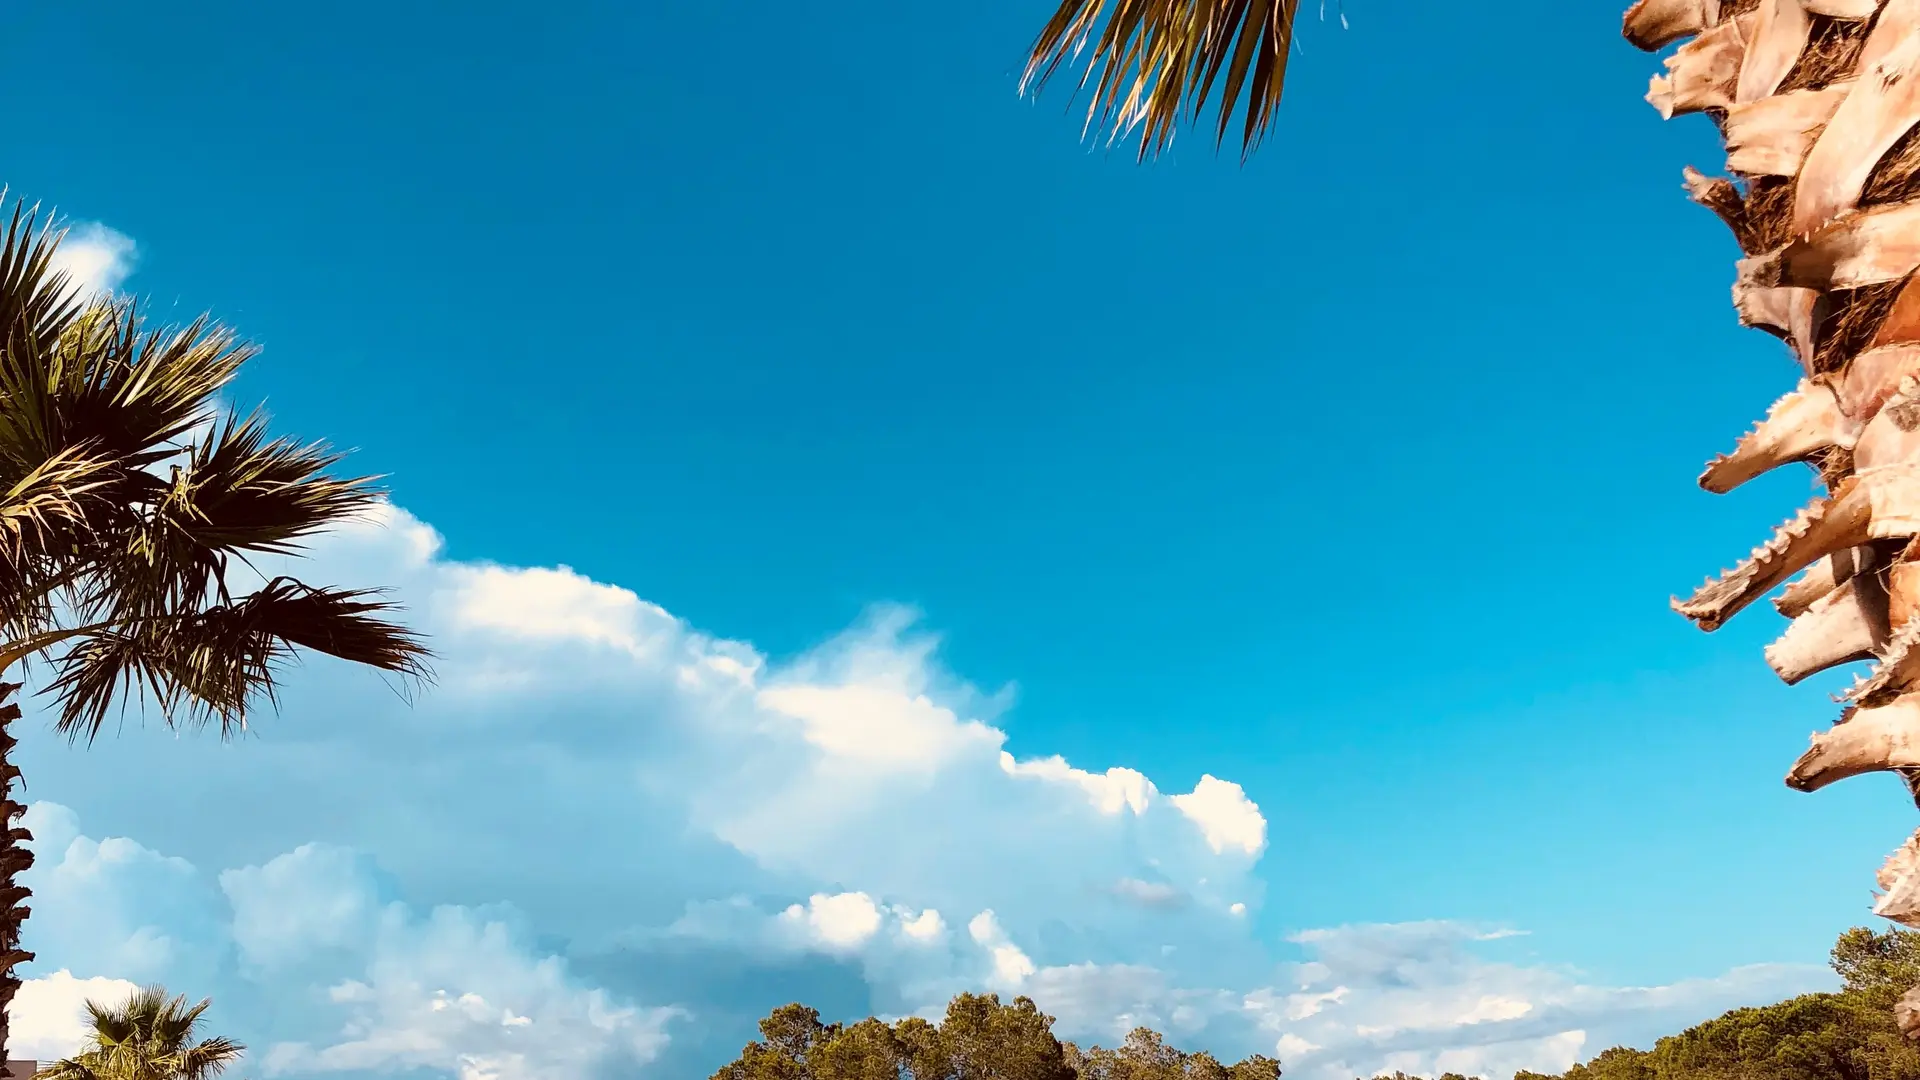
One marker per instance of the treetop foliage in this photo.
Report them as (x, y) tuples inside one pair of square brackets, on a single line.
[(1847, 1035), (980, 1038)]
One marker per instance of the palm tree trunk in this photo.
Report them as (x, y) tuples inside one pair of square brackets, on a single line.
[(14, 859), (1818, 102)]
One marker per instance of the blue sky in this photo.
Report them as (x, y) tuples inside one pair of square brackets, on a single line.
[(1358, 477)]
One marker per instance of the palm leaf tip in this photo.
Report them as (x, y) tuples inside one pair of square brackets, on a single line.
[(1158, 63), (349, 624)]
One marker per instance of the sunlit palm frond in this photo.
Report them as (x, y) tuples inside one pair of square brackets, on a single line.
[(241, 491), (1157, 63), (207, 1059), (68, 1069), (37, 301), (216, 665), (131, 394)]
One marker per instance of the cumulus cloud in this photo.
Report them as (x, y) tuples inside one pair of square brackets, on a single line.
[(845, 921), (1227, 818), (319, 966), (48, 1014), (850, 826)]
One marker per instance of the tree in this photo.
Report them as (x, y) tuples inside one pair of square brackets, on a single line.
[(979, 1038), (148, 1037), (1849, 1035), (1146, 1056), (129, 506)]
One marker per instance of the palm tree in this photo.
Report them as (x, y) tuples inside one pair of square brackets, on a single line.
[(1818, 102), (148, 1037), (128, 508)]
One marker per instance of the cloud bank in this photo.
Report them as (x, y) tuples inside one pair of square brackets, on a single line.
[(607, 842)]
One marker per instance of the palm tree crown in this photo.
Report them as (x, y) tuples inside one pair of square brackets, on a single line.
[(126, 500), (148, 1037), (128, 509)]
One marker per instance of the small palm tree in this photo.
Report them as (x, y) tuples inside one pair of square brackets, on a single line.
[(149, 1037), (128, 508), (1159, 63)]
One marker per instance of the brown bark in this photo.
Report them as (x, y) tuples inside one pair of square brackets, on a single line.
[(1847, 625), (1843, 9), (1841, 520), (1861, 248), (1871, 740), (1877, 109), (1702, 74), (1798, 425), (1779, 36), (1774, 135), (1873, 376), (1655, 24), (14, 858)]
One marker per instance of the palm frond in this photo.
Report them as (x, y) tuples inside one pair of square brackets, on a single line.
[(37, 302), (123, 498), (149, 1036), (216, 665), (207, 1059), (67, 1069), (235, 492), (245, 492), (1155, 64)]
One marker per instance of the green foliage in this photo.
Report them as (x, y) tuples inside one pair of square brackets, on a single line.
[(1845, 1036), (1146, 1056), (1849, 1035), (148, 1037), (980, 1038)]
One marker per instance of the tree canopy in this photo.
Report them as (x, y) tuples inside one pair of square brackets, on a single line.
[(1848, 1035), (980, 1038)]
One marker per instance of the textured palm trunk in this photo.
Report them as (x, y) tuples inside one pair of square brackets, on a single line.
[(1818, 102), (14, 858)]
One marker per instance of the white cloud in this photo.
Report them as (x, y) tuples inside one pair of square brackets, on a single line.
[(1011, 965), (1225, 815), (357, 979), (555, 604), (684, 822), (845, 921), (95, 258), (926, 926), (114, 907), (878, 726), (48, 1014), (1112, 791)]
